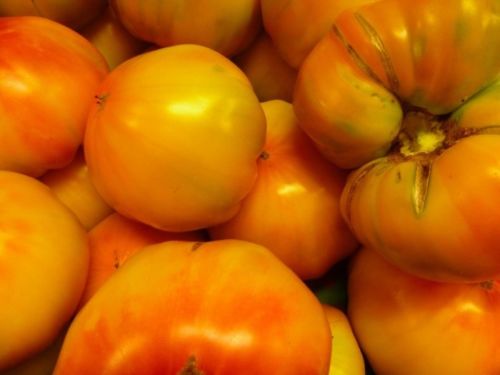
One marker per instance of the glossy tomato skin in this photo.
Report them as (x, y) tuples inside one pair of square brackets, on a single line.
[(225, 307), (73, 187), (43, 267), (174, 137), (407, 325), (436, 215), (296, 26), (114, 240), (226, 26), (71, 13), (109, 36), (294, 207), (383, 68), (49, 77)]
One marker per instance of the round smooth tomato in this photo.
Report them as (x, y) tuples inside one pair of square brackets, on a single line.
[(114, 240), (43, 267), (271, 77), (411, 105), (174, 137), (109, 36), (226, 26), (182, 307), (73, 186), (48, 77), (411, 326), (294, 207), (71, 13)]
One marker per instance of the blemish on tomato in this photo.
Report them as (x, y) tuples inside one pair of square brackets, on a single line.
[(191, 368), (196, 246)]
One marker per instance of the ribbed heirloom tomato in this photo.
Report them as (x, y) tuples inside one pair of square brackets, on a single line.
[(407, 92), (183, 308), (174, 136)]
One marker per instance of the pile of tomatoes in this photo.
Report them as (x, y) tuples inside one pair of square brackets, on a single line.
[(250, 187)]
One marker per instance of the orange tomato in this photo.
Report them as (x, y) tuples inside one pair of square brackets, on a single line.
[(109, 36), (293, 208), (226, 26), (180, 307), (49, 74), (346, 357), (116, 239), (271, 77), (71, 13), (73, 187), (296, 26), (412, 104), (174, 137), (43, 267), (411, 326)]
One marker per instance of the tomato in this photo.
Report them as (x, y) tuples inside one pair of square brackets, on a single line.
[(296, 26), (293, 208), (412, 326), (49, 74), (116, 239), (226, 26), (43, 266), (174, 136), (73, 187), (110, 37), (72, 13), (271, 77), (346, 357), (411, 104), (181, 307)]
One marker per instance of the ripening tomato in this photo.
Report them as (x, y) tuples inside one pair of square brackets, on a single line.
[(174, 137), (216, 307), (48, 77), (43, 267), (73, 187), (296, 26), (413, 104), (109, 36), (71, 13), (346, 357), (114, 240), (293, 208), (410, 326), (226, 26), (271, 77)]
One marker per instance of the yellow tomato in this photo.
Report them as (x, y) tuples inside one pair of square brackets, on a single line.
[(174, 136), (346, 358), (293, 208), (43, 266), (73, 187)]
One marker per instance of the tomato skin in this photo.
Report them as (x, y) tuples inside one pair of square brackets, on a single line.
[(407, 325), (230, 306), (49, 74), (293, 208), (114, 240), (443, 227), (73, 186), (109, 36), (381, 69), (270, 75), (43, 257), (226, 26), (71, 13), (346, 357), (296, 26), (183, 124)]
